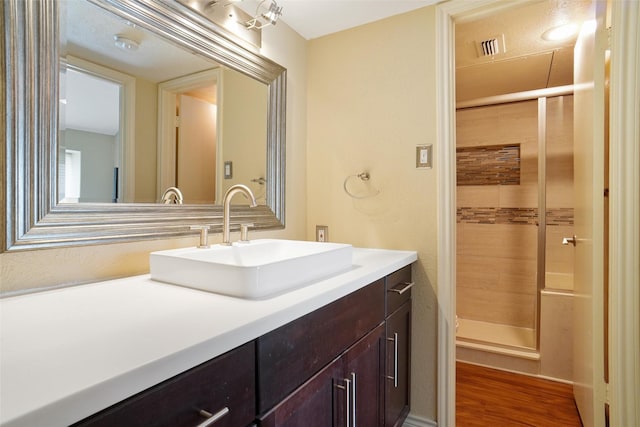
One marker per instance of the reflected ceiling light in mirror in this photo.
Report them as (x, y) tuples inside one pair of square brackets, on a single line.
[(265, 15), (560, 33), (125, 43)]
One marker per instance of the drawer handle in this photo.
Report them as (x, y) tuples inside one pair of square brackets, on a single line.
[(212, 418), (347, 388), (395, 360), (405, 288), (353, 399)]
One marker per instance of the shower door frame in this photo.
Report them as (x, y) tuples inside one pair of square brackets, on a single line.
[(541, 95)]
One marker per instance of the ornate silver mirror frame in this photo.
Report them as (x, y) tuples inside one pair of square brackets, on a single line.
[(32, 216)]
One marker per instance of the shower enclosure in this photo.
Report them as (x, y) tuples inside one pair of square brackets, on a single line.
[(514, 207)]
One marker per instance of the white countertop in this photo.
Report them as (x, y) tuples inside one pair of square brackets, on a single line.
[(68, 353)]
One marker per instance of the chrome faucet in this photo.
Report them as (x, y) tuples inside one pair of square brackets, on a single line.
[(232, 191)]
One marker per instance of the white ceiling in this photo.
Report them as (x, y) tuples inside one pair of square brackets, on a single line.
[(316, 18), (529, 62)]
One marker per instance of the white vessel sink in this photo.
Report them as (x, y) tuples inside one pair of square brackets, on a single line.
[(251, 270)]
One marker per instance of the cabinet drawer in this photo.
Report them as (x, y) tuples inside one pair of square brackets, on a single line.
[(291, 354), (398, 289), (228, 381)]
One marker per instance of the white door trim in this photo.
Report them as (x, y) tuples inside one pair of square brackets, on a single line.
[(445, 155), (624, 232), (166, 144)]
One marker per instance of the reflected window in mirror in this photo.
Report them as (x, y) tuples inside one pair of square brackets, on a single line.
[(91, 133)]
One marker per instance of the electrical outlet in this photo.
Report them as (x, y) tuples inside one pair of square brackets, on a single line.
[(322, 233)]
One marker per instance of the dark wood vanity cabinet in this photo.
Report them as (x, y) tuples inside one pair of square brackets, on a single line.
[(348, 391), (222, 387), (356, 352), (346, 363), (398, 339)]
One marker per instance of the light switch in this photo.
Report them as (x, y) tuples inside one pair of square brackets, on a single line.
[(228, 170), (424, 158)]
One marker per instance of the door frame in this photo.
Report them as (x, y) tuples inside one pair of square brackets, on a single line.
[(625, 212), (624, 229), (166, 144)]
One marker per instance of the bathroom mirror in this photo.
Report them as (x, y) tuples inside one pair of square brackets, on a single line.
[(34, 216), (138, 115)]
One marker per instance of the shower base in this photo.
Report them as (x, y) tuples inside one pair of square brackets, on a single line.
[(493, 333), (499, 346)]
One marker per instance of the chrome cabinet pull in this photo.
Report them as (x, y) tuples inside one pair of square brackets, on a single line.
[(347, 388), (353, 398), (212, 418), (395, 360), (405, 288)]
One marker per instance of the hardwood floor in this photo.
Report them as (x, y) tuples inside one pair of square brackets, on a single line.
[(490, 397)]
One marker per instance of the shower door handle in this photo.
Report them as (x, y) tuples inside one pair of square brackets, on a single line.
[(569, 240)]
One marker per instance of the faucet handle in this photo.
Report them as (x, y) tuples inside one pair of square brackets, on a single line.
[(244, 231), (204, 235)]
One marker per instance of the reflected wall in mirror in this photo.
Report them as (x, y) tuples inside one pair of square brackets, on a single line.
[(139, 115), (58, 192)]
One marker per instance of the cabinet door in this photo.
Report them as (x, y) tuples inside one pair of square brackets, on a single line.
[(364, 368), (224, 386), (398, 365), (320, 402), (349, 391), (293, 353)]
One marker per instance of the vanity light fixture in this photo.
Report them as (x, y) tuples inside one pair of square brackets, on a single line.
[(265, 16), (560, 33), (125, 43)]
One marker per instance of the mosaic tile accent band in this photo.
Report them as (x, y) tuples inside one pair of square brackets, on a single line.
[(560, 216), (516, 216), (497, 164)]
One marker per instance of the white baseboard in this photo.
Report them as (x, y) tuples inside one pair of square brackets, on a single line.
[(414, 421)]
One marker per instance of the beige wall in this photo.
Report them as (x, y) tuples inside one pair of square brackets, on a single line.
[(45, 268), (371, 100), (145, 140)]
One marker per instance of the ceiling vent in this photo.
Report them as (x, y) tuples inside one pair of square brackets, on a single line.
[(491, 46)]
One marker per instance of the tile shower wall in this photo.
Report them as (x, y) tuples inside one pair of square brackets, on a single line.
[(497, 211)]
